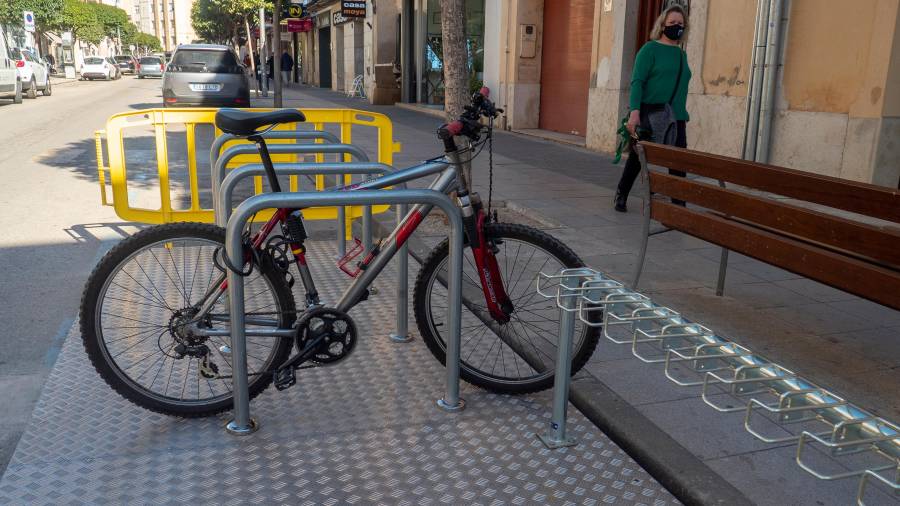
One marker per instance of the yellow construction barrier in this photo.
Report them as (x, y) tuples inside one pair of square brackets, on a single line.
[(116, 173)]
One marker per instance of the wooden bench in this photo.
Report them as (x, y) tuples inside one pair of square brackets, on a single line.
[(813, 235)]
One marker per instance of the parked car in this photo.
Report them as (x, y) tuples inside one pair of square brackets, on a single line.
[(10, 85), (150, 66), (95, 67), (117, 72), (205, 74), (127, 64), (32, 72)]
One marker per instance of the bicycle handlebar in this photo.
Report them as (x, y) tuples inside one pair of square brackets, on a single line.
[(469, 124)]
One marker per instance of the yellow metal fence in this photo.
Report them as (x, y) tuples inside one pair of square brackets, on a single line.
[(163, 121)]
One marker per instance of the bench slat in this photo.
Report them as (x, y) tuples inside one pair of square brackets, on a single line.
[(862, 198), (845, 273), (854, 237)]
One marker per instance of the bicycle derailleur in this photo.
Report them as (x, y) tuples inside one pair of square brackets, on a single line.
[(189, 344), (324, 336)]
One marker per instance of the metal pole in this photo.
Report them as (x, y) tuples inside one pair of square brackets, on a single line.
[(451, 401), (241, 424), (402, 331), (555, 437), (341, 224)]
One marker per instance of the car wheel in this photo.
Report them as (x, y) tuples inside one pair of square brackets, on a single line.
[(140, 77), (17, 98), (48, 90), (32, 89), (107, 78)]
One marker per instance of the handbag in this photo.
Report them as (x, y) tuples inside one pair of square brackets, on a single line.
[(624, 135)]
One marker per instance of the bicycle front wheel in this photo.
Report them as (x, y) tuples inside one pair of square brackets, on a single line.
[(516, 357), (141, 303)]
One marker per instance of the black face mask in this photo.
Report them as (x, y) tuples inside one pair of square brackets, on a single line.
[(674, 32)]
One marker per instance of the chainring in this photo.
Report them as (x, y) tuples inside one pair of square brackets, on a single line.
[(336, 330)]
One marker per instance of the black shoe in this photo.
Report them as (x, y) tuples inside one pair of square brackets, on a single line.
[(620, 203)]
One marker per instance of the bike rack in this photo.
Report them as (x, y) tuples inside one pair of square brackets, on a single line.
[(694, 356), (567, 291), (222, 161), (226, 194), (242, 424)]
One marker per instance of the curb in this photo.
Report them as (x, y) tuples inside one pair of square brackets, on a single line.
[(681, 472)]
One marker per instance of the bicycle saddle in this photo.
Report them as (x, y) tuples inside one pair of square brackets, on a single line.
[(244, 123)]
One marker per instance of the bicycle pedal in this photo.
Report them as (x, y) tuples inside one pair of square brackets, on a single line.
[(285, 378)]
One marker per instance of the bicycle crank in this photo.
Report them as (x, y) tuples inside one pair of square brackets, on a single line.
[(324, 336)]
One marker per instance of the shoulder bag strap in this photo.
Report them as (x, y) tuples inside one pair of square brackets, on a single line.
[(678, 79)]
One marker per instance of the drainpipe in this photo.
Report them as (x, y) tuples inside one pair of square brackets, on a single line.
[(752, 111), (757, 60), (770, 76)]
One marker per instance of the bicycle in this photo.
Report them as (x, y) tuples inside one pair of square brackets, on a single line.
[(167, 351)]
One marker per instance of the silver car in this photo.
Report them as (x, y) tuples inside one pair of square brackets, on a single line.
[(150, 66), (205, 74)]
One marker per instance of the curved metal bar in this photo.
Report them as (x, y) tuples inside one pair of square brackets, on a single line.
[(275, 134), (233, 248), (642, 156), (228, 185)]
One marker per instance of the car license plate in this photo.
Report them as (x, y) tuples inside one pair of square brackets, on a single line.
[(205, 87)]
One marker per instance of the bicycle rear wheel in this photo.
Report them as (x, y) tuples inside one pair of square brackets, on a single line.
[(516, 357), (139, 305)]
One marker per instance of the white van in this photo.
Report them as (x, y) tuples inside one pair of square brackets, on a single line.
[(10, 85)]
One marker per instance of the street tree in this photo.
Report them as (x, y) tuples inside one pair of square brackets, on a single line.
[(248, 10), (213, 22), (113, 20), (47, 13), (81, 19), (145, 43), (456, 69)]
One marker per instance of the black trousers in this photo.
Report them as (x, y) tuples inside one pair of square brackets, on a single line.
[(633, 165)]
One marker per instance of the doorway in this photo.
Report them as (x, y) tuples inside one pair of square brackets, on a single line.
[(566, 66), (325, 57)]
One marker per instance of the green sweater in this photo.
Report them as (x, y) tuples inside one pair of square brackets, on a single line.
[(653, 79)]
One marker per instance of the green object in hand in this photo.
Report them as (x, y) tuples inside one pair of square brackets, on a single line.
[(625, 138)]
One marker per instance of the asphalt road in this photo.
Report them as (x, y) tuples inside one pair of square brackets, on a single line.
[(52, 228)]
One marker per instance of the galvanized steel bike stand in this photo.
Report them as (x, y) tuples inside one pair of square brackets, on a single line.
[(226, 196), (566, 298), (242, 424), (218, 174)]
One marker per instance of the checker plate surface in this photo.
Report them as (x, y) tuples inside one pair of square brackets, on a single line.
[(365, 431)]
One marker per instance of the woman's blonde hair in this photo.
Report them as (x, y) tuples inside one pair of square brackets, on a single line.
[(660, 24)]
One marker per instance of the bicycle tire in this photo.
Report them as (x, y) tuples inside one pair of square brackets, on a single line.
[(586, 337), (92, 329)]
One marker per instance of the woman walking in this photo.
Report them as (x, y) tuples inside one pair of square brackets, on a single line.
[(659, 86)]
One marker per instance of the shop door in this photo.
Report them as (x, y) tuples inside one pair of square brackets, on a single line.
[(325, 57), (566, 65)]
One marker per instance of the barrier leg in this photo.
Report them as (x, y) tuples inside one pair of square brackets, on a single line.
[(401, 333), (452, 401), (555, 437)]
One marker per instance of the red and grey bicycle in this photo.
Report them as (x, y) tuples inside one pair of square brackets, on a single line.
[(155, 317)]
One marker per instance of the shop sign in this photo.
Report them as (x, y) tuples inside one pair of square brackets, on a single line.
[(300, 25), (353, 9), (338, 18)]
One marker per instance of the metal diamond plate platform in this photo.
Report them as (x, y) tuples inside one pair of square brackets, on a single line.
[(365, 431)]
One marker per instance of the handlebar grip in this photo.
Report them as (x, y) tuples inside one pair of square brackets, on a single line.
[(455, 127)]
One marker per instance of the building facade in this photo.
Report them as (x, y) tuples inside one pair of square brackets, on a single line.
[(822, 95), (168, 20)]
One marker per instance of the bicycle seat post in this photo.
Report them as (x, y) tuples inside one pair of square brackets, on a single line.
[(267, 161)]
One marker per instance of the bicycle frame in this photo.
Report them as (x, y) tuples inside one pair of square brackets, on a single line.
[(449, 180)]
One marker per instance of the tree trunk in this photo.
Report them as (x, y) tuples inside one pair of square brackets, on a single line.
[(250, 50), (276, 52), (456, 69), (236, 38)]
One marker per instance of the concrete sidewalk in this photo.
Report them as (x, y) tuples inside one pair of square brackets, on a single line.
[(841, 342)]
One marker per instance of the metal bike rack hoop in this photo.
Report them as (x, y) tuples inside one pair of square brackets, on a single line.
[(223, 212), (218, 171), (220, 141), (242, 424)]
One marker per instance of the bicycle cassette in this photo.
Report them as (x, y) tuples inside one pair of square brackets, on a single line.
[(331, 333)]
